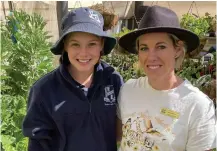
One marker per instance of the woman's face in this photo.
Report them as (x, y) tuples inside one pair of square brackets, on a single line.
[(157, 55), (83, 50)]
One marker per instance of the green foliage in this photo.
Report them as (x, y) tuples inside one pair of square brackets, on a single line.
[(211, 21), (198, 73), (25, 57), (13, 111), (30, 53), (190, 70), (125, 63), (124, 31), (198, 25)]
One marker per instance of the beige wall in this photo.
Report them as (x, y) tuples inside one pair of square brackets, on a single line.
[(75, 4), (47, 9), (182, 7)]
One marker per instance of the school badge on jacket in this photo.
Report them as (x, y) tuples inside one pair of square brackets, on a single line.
[(109, 98)]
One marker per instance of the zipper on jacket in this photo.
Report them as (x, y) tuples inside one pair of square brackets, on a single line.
[(90, 109), (91, 99), (90, 102)]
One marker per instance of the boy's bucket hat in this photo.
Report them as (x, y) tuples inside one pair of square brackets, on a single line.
[(83, 20)]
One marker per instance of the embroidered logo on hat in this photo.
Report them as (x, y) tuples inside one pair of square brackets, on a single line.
[(93, 15)]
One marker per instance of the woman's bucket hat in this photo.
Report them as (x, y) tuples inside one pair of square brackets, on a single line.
[(159, 19), (83, 20)]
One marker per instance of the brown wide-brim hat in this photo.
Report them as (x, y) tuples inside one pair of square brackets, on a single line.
[(159, 19)]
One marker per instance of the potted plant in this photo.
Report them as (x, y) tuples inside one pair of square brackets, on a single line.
[(212, 24), (203, 26), (196, 24)]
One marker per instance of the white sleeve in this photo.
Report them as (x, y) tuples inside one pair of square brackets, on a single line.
[(202, 128)]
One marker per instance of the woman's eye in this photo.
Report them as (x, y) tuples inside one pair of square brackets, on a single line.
[(143, 49), (161, 47)]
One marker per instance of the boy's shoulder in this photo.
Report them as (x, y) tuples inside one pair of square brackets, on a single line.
[(46, 80)]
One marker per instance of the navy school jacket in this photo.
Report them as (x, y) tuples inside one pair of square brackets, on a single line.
[(61, 118)]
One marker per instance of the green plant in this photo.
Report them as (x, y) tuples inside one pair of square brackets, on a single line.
[(25, 57), (211, 20), (125, 63), (196, 24), (191, 70), (13, 111), (123, 31), (200, 75), (30, 52)]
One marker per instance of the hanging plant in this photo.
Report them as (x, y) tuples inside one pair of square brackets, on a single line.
[(202, 26), (196, 24), (212, 24)]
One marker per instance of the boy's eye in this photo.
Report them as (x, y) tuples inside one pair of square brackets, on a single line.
[(92, 44), (161, 47), (75, 44)]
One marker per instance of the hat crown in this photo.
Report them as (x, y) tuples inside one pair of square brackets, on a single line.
[(82, 15), (157, 16)]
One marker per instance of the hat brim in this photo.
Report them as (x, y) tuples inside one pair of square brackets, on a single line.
[(109, 43), (128, 41)]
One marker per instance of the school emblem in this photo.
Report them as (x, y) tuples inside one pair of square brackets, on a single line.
[(109, 98), (93, 15)]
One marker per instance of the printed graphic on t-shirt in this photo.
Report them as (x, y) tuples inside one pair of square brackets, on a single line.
[(142, 132)]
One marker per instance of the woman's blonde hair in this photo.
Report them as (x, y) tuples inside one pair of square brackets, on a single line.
[(180, 58), (175, 40)]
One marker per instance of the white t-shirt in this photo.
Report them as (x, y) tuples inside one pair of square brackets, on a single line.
[(178, 119)]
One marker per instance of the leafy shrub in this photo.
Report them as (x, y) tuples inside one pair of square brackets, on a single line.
[(125, 63), (201, 75), (25, 57)]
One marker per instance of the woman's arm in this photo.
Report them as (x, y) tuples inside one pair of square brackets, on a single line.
[(202, 127)]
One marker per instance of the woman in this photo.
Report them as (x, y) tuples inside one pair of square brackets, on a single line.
[(73, 108), (163, 112)]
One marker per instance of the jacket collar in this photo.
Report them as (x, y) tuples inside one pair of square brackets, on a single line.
[(102, 71)]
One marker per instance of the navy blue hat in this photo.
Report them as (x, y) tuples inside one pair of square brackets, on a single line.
[(83, 20)]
